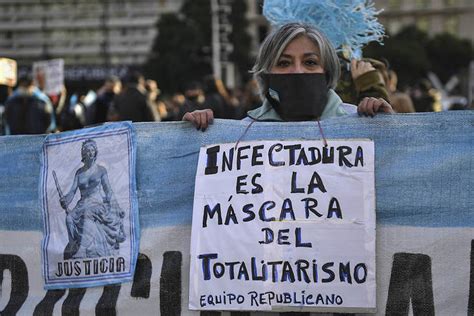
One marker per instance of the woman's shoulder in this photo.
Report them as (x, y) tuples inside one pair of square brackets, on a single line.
[(349, 108)]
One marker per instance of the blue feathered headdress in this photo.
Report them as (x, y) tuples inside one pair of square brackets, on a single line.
[(349, 24)]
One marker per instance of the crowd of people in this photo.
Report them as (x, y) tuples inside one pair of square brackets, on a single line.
[(28, 110)]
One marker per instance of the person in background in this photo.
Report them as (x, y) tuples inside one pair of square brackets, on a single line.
[(5, 92), (361, 79), (57, 99), (215, 99), (158, 107), (80, 111), (251, 97), (297, 70), (132, 103), (400, 101), (59, 105), (218, 98), (28, 110), (425, 97), (173, 107), (231, 99), (193, 98), (105, 97)]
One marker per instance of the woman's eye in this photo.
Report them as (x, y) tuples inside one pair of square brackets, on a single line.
[(311, 62), (283, 63)]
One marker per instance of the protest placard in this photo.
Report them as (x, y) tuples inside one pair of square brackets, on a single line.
[(49, 75), (284, 225), (8, 74)]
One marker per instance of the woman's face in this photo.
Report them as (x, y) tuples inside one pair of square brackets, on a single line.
[(300, 56)]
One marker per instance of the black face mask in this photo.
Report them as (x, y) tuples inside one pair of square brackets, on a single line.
[(297, 97)]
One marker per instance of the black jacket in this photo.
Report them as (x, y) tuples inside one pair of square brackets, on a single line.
[(132, 105)]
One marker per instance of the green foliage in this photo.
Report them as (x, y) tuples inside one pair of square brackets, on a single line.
[(240, 38), (412, 54), (407, 57), (448, 55), (177, 56), (412, 34), (182, 50)]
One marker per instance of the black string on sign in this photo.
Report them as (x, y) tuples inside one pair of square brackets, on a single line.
[(322, 134)]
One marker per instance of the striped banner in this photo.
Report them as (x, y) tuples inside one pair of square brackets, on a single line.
[(424, 209)]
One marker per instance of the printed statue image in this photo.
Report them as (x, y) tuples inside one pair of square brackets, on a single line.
[(95, 224)]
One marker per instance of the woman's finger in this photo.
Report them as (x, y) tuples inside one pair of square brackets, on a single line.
[(378, 104), (200, 118), (362, 107), (191, 117), (385, 107), (197, 118), (203, 120), (210, 116), (187, 117), (370, 106)]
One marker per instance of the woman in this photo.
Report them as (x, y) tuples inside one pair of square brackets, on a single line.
[(94, 226), (297, 69)]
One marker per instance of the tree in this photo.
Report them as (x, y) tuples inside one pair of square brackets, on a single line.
[(178, 54), (240, 39), (182, 50), (448, 55), (412, 54), (405, 53)]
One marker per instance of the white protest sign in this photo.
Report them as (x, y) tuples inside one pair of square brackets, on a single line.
[(8, 74), (49, 75), (284, 225)]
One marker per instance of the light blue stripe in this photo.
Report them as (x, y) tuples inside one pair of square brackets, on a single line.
[(424, 167)]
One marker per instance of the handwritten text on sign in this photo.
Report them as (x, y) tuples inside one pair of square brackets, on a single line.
[(284, 225)]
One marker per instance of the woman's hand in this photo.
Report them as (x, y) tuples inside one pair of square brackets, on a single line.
[(200, 118), (371, 106)]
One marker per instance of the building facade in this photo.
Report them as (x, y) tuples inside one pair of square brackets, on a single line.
[(85, 33), (95, 35), (433, 16)]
